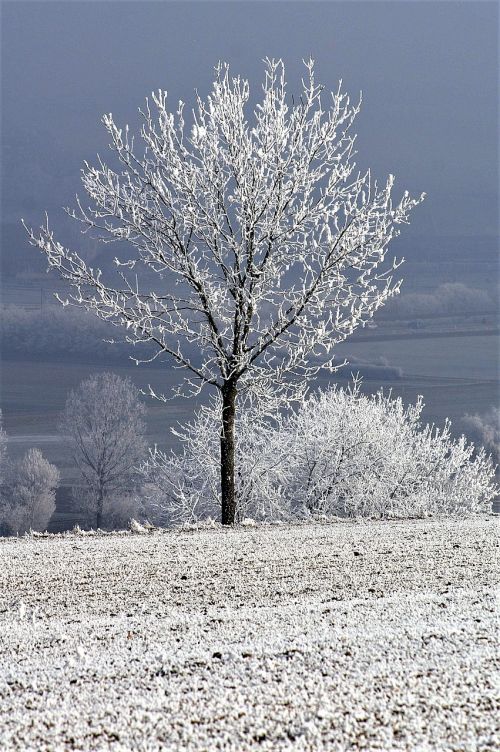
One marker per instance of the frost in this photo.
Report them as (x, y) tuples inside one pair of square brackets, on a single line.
[(136, 527), (248, 522), (361, 635), (340, 453)]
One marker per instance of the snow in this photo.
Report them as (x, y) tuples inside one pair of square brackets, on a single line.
[(355, 635)]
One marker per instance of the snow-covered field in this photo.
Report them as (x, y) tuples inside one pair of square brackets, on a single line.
[(307, 637)]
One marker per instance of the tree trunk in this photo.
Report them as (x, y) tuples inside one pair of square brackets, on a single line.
[(100, 501), (227, 452)]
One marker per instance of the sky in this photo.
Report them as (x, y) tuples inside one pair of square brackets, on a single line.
[(427, 70), (429, 76)]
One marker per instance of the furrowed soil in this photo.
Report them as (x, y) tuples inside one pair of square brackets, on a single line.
[(353, 635)]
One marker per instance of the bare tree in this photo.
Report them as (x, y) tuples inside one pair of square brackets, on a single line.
[(267, 245), (104, 419), (29, 499)]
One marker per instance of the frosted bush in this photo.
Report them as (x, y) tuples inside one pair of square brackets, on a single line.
[(119, 507), (339, 453), (354, 454)]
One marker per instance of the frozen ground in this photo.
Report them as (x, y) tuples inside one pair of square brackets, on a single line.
[(373, 636)]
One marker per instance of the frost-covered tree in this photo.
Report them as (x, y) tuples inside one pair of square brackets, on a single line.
[(104, 419), (267, 246), (29, 497)]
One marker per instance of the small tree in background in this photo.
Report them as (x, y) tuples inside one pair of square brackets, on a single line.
[(267, 247), (29, 497), (104, 419)]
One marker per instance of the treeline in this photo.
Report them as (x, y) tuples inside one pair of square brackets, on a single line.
[(57, 331), (65, 332), (448, 299)]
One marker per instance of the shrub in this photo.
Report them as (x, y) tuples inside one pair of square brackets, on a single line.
[(119, 508), (358, 455), (340, 453)]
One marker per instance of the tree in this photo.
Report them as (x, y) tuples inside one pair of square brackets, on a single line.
[(104, 419), (29, 499), (268, 249)]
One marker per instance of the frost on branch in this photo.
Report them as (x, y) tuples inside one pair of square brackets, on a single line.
[(266, 245)]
